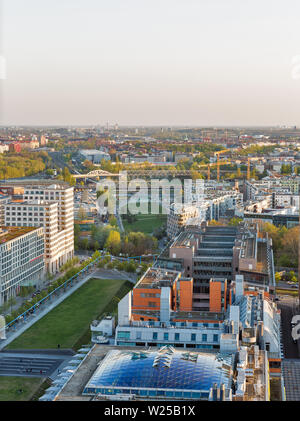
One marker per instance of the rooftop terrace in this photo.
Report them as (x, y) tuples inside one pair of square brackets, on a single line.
[(10, 233)]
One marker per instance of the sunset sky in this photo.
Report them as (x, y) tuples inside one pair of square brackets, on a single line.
[(151, 62)]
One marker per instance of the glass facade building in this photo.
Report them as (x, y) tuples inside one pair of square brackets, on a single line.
[(162, 373)]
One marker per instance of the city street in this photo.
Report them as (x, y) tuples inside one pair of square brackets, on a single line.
[(288, 307)]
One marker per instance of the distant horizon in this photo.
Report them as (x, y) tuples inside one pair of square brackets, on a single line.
[(154, 126)]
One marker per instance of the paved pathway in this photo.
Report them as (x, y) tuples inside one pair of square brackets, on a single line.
[(34, 364), (13, 332)]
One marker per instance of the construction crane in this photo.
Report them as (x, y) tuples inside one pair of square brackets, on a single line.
[(218, 161), (213, 164), (249, 167), (248, 170)]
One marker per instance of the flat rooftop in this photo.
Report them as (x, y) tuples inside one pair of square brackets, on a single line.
[(186, 315), (157, 278), (10, 233), (53, 184), (184, 239)]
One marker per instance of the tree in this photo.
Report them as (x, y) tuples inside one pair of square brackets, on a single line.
[(239, 173), (234, 222), (214, 222), (277, 277), (84, 243), (113, 221), (290, 243), (81, 214), (113, 242)]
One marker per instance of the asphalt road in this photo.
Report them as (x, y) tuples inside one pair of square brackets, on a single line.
[(291, 375), (285, 285), (287, 307)]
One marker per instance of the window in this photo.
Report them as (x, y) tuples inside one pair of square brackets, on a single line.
[(154, 335), (123, 335), (176, 337), (216, 338), (138, 335), (166, 336), (204, 337), (193, 337)]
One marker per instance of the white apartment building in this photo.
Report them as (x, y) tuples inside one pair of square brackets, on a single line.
[(178, 218), (21, 259), (213, 206), (51, 207)]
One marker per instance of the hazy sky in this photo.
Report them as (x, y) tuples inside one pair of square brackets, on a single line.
[(151, 62)]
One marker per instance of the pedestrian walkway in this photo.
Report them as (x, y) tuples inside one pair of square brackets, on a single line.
[(13, 332), (34, 364)]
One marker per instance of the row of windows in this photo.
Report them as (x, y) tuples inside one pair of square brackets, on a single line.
[(185, 324), (150, 393), (146, 295), (167, 336)]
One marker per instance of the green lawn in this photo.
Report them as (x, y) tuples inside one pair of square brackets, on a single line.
[(68, 323), (9, 387), (287, 291), (145, 223)]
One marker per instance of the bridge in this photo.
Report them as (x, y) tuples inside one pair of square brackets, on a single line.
[(95, 173), (152, 173)]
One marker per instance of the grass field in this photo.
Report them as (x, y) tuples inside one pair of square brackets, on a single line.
[(145, 223), (68, 323), (9, 387), (286, 291)]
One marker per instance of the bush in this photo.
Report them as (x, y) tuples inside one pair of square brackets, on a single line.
[(130, 267), (121, 265), (9, 318), (101, 264)]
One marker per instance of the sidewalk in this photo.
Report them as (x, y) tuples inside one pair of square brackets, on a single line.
[(41, 285), (23, 325)]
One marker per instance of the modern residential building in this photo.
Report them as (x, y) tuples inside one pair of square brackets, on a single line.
[(178, 217), (21, 259), (51, 206), (39, 213)]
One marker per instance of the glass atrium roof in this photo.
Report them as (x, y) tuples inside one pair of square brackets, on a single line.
[(162, 369)]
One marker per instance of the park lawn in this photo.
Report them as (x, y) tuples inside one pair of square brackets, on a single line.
[(70, 320), (145, 223), (286, 291), (9, 387)]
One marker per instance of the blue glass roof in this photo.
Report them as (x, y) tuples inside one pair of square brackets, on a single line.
[(160, 370)]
